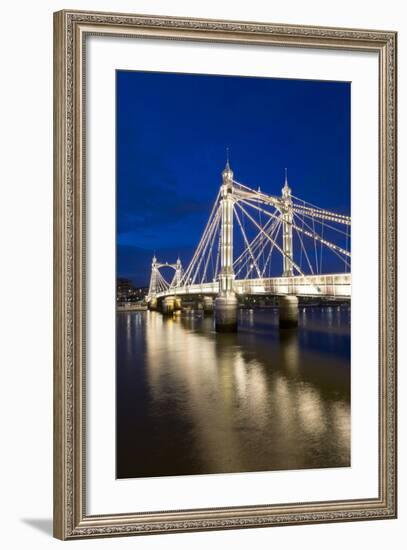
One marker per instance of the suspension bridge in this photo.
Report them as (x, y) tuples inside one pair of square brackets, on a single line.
[(236, 256)]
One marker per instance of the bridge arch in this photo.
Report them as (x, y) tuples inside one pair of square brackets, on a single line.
[(157, 282)]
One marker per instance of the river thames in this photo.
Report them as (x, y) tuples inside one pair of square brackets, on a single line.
[(193, 401)]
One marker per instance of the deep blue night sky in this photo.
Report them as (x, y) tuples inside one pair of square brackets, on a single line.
[(172, 134)]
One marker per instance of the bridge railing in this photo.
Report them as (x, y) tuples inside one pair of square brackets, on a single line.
[(337, 285)]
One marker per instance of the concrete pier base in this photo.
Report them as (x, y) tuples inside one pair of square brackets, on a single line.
[(207, 305), (168, 305), (226, 313), (177, 303), (152, 304), (288, 311)]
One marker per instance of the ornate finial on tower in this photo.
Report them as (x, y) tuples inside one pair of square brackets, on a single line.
[(286, 191), (227, 173)]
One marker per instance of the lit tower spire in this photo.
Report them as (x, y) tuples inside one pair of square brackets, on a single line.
[(226, 301), (287, 217), (286, 191), (227, 174), (226, 274), (178, 272), (152, 291)]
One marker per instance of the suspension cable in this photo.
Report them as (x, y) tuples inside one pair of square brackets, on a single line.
[(268, 237), (247, 242), (315, 235)]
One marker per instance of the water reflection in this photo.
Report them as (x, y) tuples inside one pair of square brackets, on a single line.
[(190, 401)]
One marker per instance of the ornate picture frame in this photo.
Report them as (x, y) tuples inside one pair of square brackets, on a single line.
[(71, 29)]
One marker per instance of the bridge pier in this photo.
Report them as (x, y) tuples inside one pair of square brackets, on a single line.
[(207, 304), (168, 305), (177, 303), (288, 311), (226, 313), (152, 304)]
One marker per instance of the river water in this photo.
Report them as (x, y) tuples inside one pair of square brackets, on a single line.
[(191, 401)]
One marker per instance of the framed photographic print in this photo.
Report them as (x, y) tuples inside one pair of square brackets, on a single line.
[(225, 274)]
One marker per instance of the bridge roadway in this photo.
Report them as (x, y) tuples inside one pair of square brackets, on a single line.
[(337, 285)]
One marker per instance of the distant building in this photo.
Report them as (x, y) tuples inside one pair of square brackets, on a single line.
[(127, 292), (124, 290)]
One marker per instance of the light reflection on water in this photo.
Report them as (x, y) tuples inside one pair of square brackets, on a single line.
[(190, 401)]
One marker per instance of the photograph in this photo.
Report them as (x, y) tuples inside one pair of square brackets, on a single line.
[(221, 361), (233, 274)]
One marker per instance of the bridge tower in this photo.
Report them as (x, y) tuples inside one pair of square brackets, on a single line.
[(226, 301), (152, 290), (287, 217), (178, 272), (177, 282), (288, 305)]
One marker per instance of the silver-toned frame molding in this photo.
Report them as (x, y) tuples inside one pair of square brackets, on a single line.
[(70, 517)]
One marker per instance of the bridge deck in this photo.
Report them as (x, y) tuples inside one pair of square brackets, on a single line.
[(337, 285)]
